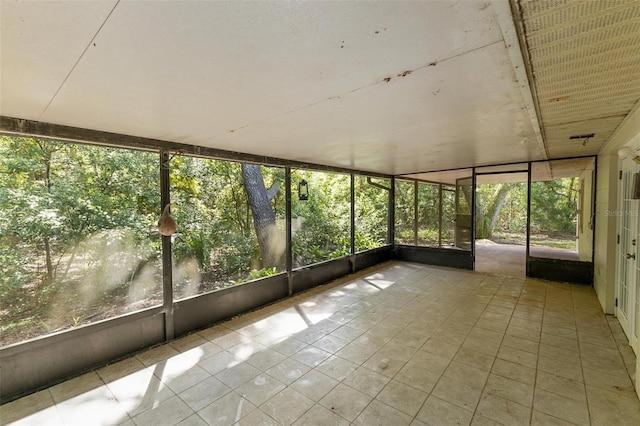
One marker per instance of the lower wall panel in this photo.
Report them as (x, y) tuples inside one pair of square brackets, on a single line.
[(319, 273), (201, 311), (370, 258), (570, 271), (42, 362), (435, 256)]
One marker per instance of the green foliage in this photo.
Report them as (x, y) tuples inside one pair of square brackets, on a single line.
[(371, 212), (554, 206), (321, 224), (404, 212), (64, 208)]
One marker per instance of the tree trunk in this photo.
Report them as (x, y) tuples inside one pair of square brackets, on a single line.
[(264, 218), (486, 222), (497, 207), (49, 263)]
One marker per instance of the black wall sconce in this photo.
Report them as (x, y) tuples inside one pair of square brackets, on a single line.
[(303, 190)]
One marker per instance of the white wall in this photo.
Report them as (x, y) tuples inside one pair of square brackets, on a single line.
[(607, 200), (605, 235)]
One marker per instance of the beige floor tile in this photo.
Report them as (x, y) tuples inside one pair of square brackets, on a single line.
[(28, 406), (385, 365), (356, 353), (169, 412), (434, 363), (474, 359), (345, 401), (367, 381), (314, 385), (503, 411), (478, 420), (179, 379), (288, 371), (380, 414), (289, 346), (76, 386), (559, 342), (331, 344), (567, 333), (287, 406), (607, 417), (524, 323), (560, 354), (260, 388), (619, 382), (337, 368), (192, 420), (613, 401), (230, 340), (542, 419), (256, 418), (502, 307), (482, 345), (522, 344), (512, 390), (402, 397), (157, 354), (190, 341), (139, 391), (321, 416), (523, 332), (561, 407), (204, 393), (265, 359), (417, 377), (492, 325), (466, 374), (462, 394), (570, 371), (120, 369), (238, 375), (219, 362), (440, 348), (518, 356), (347, 333), (311, 356), (561, 386), (514, 371), (451, 338), (408, 337), (398, 350), (227, 410), (437, 412)]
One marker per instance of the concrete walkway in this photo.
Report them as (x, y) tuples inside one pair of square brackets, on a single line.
[(510, 259)]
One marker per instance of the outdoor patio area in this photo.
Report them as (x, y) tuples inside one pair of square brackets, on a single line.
[(398, 344), (511, 259)]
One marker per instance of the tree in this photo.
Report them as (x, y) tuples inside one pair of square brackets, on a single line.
[(264, 217), (490, 204)]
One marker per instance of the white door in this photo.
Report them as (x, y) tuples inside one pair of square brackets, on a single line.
[(628, 282)]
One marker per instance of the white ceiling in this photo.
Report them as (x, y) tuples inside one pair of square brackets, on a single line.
[(389, 87), (321, 82)]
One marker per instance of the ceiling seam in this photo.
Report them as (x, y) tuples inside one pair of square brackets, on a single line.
[(380, 81), (521, 33), (79, 59)]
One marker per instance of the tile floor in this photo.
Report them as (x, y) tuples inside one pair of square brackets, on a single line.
[(400, 344)]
